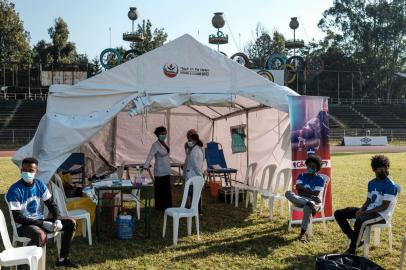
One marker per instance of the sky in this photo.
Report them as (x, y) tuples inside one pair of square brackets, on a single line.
[(89, 20)]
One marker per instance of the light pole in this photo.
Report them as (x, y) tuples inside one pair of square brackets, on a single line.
[(294, 24), (218, 22)]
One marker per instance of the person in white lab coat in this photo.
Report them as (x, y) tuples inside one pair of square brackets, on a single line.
[(162, 170), (194, 161)]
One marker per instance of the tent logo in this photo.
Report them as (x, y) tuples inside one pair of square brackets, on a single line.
[(171, 70)]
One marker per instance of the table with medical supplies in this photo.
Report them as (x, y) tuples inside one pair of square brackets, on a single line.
[(122, 186)]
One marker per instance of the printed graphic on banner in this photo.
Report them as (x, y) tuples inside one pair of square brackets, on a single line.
[(310, 136)]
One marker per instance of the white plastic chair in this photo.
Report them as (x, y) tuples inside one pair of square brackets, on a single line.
[(292, 208), (376, 228), (275, 192), (248, 185), (77, 214), (24, 240), (183, 212), (11, 256), (59, 184)]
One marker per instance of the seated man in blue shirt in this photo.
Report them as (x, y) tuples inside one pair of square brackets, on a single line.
[(25, 199), (309, 187), (378, 207)]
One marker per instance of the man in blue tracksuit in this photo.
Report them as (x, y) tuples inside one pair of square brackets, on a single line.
[(25, 199), (378, 207)]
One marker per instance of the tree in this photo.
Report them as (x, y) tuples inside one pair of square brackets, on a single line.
[(152, 39), (95, 67), (372, 33), (265, 45), (60, 50), (14, 40)]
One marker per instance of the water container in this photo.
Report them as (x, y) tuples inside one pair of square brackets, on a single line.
[(125, 226)]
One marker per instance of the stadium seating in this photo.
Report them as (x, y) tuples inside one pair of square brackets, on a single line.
[(350, 117), (384, 116)]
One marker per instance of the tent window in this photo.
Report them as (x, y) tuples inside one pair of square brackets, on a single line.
[(238, 139)]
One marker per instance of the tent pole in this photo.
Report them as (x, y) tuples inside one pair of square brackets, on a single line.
[(114, 146), (248, 153), (212, 130), (199, 112), (168, 124)]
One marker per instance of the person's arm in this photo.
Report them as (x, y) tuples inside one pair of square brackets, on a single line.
[(19, 218), (150, 156), (53, 208), (50, 202), (382, 207)]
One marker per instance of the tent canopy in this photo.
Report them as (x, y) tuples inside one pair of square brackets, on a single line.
[(186, 82)]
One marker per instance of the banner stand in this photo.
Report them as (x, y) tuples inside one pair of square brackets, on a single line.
[(310, 131)]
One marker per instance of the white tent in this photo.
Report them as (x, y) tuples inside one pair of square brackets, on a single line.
[(181, 85)]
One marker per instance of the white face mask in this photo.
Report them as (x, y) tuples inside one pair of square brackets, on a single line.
[(190, 144), (27, 176)]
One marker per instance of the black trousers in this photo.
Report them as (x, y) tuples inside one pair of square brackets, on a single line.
[(38, 235), (342, 216), (163, 194)]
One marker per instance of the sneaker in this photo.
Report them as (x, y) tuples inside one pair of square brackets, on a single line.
[(66, 263), (303, 238)]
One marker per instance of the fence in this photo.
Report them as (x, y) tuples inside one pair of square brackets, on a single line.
[(392, 134), (25, 96), (15, 137)]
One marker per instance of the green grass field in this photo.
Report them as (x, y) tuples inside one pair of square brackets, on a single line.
[(236, 238)]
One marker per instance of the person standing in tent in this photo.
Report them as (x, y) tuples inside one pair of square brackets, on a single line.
[(194, 161), (26, 199), (188, 133), (162, 170)]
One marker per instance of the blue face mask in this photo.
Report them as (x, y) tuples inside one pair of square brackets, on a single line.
[(311, 171), (27, 176), (162, 138)]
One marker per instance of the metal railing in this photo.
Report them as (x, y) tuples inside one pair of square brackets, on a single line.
[(366, 101), (16, 136), (25, 96), (392, 134)]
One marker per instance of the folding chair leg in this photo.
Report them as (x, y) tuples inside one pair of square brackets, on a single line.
[(164, 227), (197, 227), (261, 205), (189, 226), (390, 237), (290, 219), (323, 216), (247, 199), (89, 230), (310, 228), (367, 241), (237, 193), (254, 201), (175, 229), (271, 200), (377, 236), (402, 253), (44, 257), (282, 207)]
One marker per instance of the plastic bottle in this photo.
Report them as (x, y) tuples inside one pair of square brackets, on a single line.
[(138, 180)]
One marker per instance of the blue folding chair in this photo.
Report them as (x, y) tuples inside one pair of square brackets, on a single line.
[(77, 173), (216, 163)]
